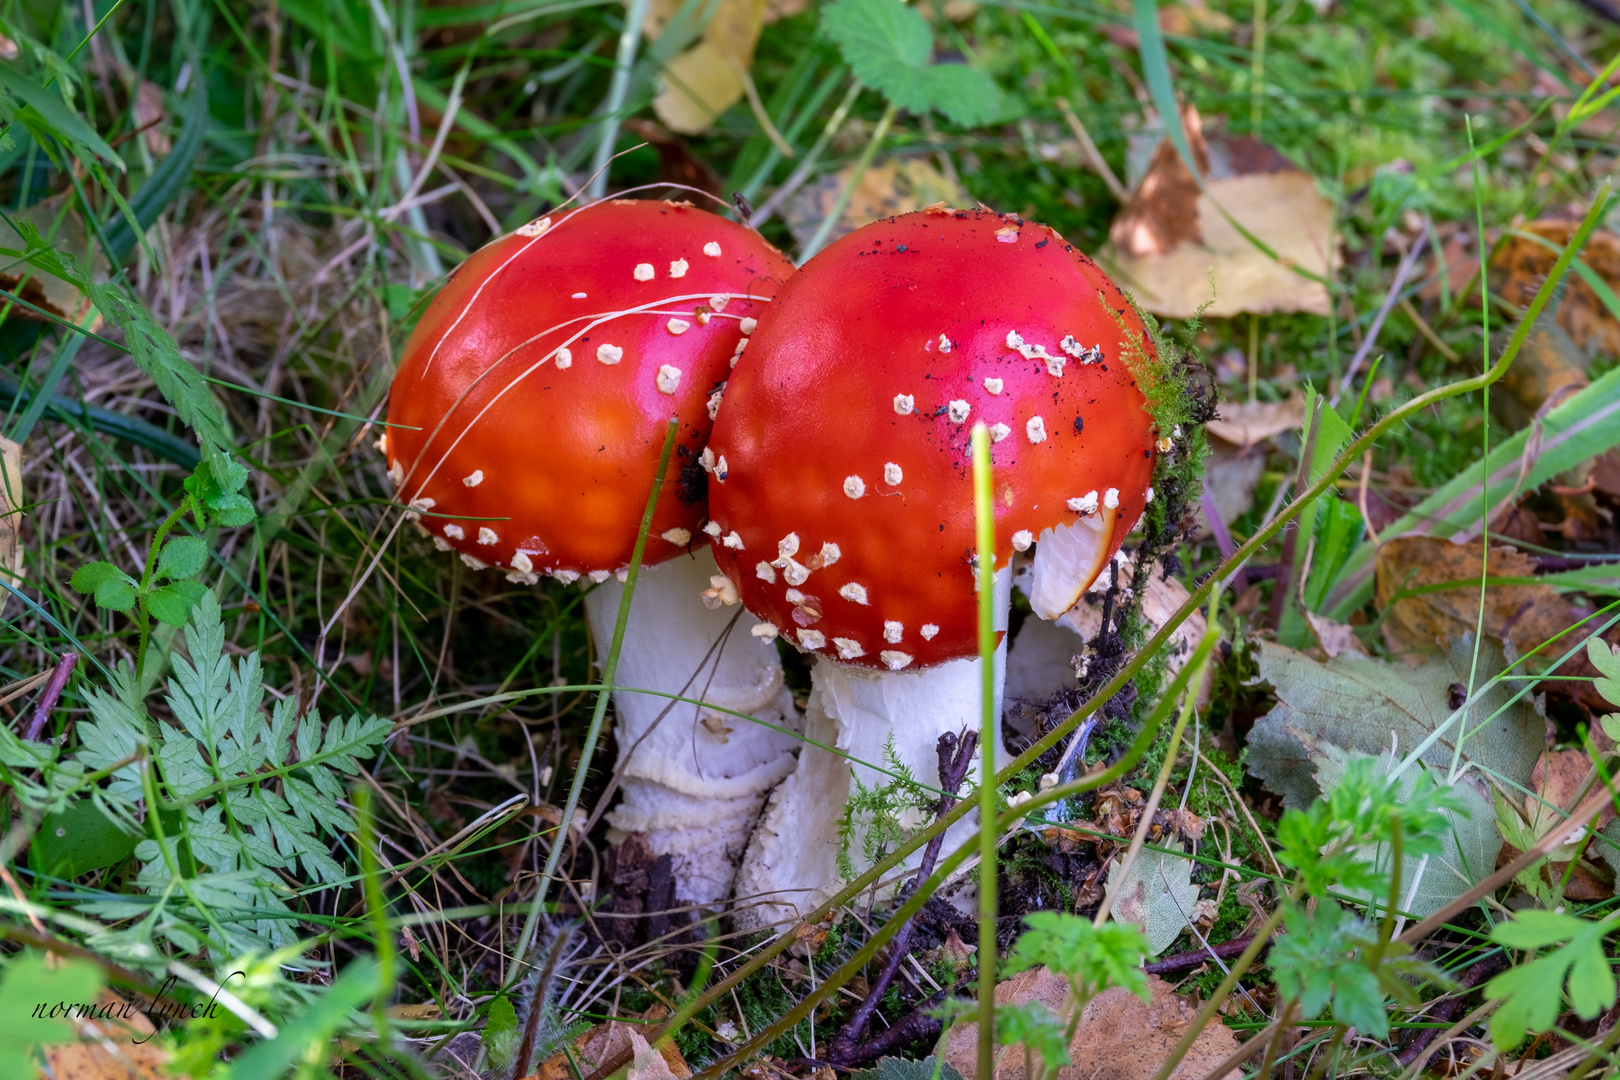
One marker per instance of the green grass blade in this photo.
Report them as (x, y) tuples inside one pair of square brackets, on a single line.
[(1586, 425)]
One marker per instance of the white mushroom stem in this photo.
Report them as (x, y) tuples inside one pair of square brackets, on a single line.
[(792, 862), (693, 778)]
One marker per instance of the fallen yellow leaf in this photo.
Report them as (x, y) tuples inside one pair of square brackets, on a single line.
[(1171, 238)]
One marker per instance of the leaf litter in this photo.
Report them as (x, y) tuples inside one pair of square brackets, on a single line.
[(1118, 1037)]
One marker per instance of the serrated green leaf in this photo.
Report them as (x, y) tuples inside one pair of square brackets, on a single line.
[(116, 594), (1319, 963), (889, 45), (156, 354), (500, 1032), (212, 758), (1092, 958), (91, 576), (1033, 1025), (1156, 895), (1359, 704), (171, 604), (183, 557), (1534, 929), (1436, 869)]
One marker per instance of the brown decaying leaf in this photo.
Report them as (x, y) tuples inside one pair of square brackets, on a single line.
[(895, 186), (603, 1041), (1171, 237), (1520, 266), (1548, 369), (1248, 422), (1554, 784), (1530, 614), (709, 77), (64, 227), (1334, 638), (149, 115), (1230, 477), (11, 548), (1119, 1037), (126, 1059)]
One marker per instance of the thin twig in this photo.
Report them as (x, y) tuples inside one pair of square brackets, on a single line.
[(1402, 271), (53, 693), (1089, 151)]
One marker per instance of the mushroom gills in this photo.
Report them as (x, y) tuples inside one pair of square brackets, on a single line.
[(1068, 559)]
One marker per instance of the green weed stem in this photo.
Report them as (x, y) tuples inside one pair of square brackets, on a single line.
[(984, 512)]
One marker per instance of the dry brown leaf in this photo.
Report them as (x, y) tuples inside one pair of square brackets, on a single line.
[(603, 1041), (1520, 266), (11, 547), (1230, 477), (1119, 1037), (149, 110), (1335, 638), (1171, 237), (1431, 621), (895, 186), (1248, 422), (1554, 783), (64, 227), (1606, 473), (776, 10), (1547, 370), (111, 1050), (708, 78)]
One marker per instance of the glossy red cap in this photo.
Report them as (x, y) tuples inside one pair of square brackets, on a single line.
[(845, 430), (543, 375)]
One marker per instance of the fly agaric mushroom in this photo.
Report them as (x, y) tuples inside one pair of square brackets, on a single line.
[(533, 400), (848, 484)]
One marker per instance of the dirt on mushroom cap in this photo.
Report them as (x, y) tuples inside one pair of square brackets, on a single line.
[(848, 423), (542, 378)]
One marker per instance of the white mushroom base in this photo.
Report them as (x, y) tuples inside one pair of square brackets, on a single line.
[(693, 778), (792, 862)]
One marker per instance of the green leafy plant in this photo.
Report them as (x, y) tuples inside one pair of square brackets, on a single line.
[(229, 798), (1576, 969), (1090, 958), (876, 817), (1330, 958), (890, 47), (166, 590)]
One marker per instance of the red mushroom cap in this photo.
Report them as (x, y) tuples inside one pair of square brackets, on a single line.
[(543, 375), (846, 430)]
